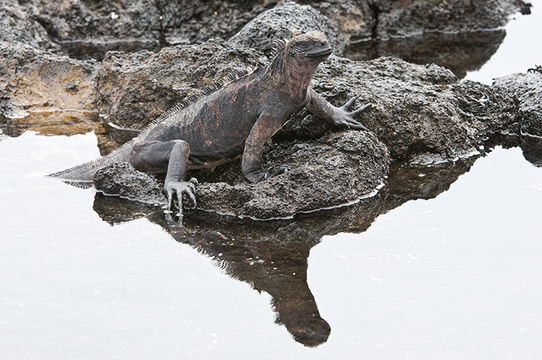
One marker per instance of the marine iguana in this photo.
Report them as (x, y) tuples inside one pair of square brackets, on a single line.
[(235, 120)]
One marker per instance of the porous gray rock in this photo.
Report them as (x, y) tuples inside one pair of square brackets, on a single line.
[(527, 90), (121, 179), (404, 18), (17, 26), (336, 169), (284, 22), (353, 19), (150, 23), (416, 108)]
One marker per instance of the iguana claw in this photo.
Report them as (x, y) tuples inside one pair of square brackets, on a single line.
[(179, 188), (345, 118)]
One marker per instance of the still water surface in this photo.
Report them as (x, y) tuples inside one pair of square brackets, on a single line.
[(456, 276)]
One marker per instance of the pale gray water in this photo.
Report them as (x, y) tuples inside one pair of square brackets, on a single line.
[(520, 49), (455, 277)]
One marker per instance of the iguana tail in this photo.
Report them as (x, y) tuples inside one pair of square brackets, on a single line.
[(85, 172)]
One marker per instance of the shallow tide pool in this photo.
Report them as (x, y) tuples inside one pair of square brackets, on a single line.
[(454, 277)]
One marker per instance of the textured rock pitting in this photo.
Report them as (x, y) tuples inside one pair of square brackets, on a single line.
[(527, 90), (121, 179), (283, 22)]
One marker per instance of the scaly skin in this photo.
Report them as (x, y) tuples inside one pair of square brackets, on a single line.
[(238, 120)]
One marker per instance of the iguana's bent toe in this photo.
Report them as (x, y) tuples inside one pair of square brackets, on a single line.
[(255, 177), (360, 110), (280, 170), (349, 103), (258, 176), (345, 118), (179, 188)]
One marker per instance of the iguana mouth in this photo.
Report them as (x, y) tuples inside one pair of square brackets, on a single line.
[(319, 53)]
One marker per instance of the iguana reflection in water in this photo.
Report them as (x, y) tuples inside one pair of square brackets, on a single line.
[(272, 255)]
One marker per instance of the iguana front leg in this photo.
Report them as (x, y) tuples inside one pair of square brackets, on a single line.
[(262, 130), (339, 117), (153, 156)]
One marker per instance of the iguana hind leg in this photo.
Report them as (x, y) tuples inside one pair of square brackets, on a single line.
[(173, 156)]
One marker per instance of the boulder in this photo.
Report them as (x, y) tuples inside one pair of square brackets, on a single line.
[(405, 18), (284, 22), (121, 179), (527, 90), (150, 24), (17, 26), (337, 169), (416, 108)]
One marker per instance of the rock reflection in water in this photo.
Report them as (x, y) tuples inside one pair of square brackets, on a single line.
[(532, 150), (460, 52), (85, 50), (272, 255)]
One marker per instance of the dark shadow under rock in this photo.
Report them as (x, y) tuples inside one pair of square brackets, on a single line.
[(532, 150)]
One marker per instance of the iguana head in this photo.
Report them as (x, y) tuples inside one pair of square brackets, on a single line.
[(310, 47), (299, 57), (296, 60)]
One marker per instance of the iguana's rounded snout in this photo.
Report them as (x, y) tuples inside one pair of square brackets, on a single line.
[(312, 45), (320, 52)]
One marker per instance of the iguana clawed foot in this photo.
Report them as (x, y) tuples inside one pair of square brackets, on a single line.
[(345, 118), (179, 188), (257, 176)]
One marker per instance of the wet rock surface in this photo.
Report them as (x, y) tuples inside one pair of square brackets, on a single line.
[(121, 179), (527, 90), (48, 93)]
